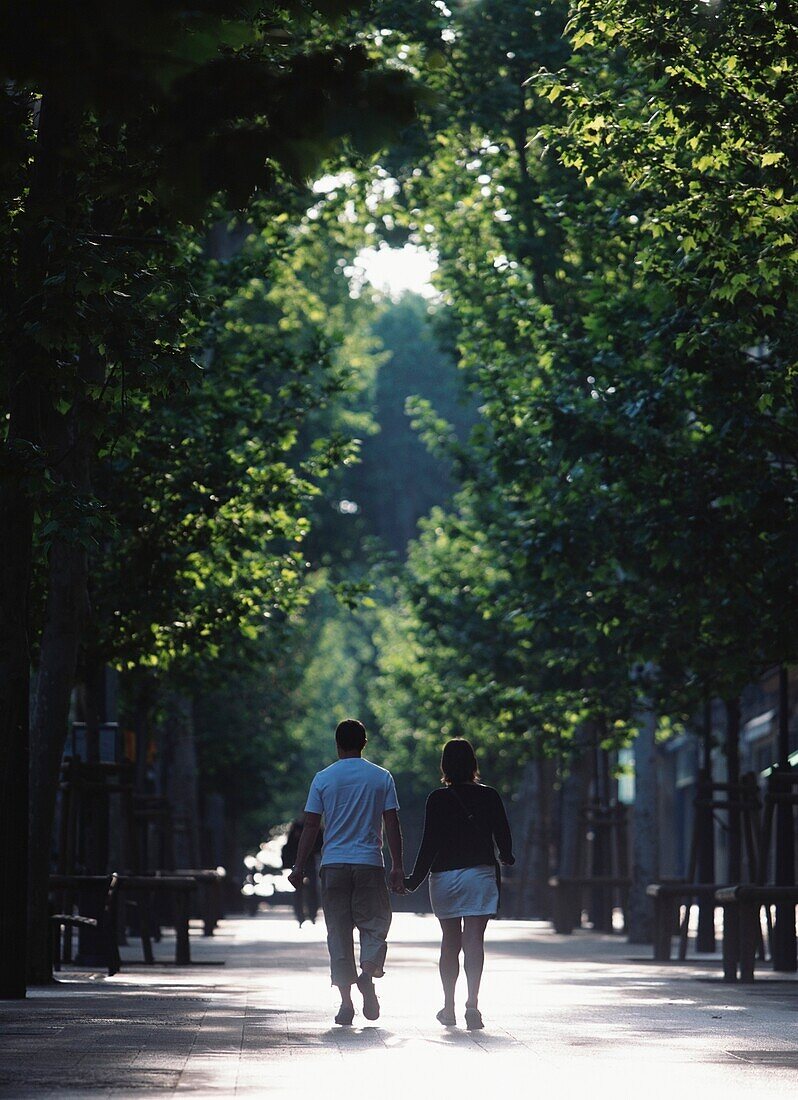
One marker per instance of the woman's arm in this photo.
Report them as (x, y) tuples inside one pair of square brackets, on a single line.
[(501, 832), (427, 849)]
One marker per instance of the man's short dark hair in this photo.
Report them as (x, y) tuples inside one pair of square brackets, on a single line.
[(350, 735)]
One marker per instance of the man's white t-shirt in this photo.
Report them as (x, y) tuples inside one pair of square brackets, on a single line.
[(352, 795)]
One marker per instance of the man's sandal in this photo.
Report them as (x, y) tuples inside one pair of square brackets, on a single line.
[(371, 1006), (447, 1018), (346, 1014), (473, 1018)]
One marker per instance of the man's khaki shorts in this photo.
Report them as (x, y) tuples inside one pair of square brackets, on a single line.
[(355, 895)]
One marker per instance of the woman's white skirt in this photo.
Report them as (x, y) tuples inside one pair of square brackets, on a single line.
[(466, 892)]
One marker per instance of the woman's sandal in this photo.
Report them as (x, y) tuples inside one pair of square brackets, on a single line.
[(346, 1015), (473, 1018), (446, 1018)]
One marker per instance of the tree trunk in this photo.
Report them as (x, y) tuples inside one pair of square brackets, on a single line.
[(27, 366), (182, 778), (705, 825), (601, 900), (574, 793), (16, 561), (65, 614), (785, 954), (16, 531), (645, 847), (532, 872), (735, 868), (534, 899), (212, 844)]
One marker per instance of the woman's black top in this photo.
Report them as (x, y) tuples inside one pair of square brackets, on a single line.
[(451, 840)]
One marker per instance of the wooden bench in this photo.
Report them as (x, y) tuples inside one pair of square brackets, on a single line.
[(668, 898), (142, 887), (209, 883), (60, 922), (741, 927), (567, 897), (178, 889), (104, 922)]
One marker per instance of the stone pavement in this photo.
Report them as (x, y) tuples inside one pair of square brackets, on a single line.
[(566, 1016)]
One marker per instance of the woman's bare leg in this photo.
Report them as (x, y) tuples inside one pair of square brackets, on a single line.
[(474, 955), (449, 966)]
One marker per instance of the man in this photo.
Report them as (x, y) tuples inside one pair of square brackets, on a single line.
[(306, 896), (356, 797)]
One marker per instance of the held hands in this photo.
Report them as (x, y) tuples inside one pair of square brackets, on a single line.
[(296, 877), (396, 880)]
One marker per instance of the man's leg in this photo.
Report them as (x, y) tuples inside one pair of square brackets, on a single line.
[(371, 912), (336, 895)]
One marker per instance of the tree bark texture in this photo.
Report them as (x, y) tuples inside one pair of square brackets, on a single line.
[(645, 845)]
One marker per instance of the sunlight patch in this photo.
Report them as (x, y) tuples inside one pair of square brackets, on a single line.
[(394, 271)]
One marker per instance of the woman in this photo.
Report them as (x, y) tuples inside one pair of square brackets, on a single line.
[(462, 822)]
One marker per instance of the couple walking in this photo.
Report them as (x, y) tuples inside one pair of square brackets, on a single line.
[(465, 822)]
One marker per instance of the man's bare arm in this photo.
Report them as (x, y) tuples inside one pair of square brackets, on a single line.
[(306, 843), (393, 834)]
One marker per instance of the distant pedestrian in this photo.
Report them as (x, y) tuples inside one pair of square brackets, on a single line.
[(464, 823), (306, 896), (356, 798)]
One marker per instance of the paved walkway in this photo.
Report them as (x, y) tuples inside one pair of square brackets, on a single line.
[(566, 1016)]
